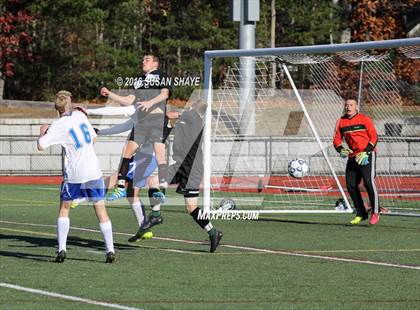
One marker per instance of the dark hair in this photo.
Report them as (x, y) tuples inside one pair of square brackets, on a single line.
[(154, 57)]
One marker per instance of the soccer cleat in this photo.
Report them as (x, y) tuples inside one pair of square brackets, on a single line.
[(215, 240), (152, 221), (74, 205), (141, 234), (61, 256), (160, 196), (374, 219), (357, 220), (110, 257), (117, 193)]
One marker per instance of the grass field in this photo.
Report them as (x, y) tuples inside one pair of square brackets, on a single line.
[(282, 262)]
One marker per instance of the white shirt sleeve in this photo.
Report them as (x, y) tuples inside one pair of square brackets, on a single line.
[(126, 111), (52, 137)]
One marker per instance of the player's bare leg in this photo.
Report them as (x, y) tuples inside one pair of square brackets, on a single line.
[(105, 226)]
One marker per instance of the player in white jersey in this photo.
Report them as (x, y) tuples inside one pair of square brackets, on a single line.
[(83, 176)]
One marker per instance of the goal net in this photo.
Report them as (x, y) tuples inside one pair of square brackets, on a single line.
[(272, 106)]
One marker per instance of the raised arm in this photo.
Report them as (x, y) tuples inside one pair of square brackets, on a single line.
[(123, 100), (126, 111), (123, 127)]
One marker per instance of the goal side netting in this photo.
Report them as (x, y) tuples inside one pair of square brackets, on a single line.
[(273, 106)]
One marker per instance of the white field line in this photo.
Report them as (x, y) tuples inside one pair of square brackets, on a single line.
[(67, 297), (261, 250)]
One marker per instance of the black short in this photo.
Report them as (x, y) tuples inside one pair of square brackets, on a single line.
[(188, 180), (150, 130)]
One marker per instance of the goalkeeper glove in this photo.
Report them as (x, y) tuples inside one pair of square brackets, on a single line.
[(345, 152), (362, 158)]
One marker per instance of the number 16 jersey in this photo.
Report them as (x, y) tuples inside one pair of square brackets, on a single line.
[(74, 132)]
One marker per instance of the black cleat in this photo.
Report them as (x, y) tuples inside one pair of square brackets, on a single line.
[(61, 256), (110, 257), (141, 234), (215, 240), (152, 221)]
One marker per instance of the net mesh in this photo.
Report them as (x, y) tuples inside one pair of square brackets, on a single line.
[(259, 126)]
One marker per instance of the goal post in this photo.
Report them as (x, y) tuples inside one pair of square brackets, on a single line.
[(249, 168)]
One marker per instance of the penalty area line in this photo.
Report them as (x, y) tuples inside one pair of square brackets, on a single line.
[(66, 297)]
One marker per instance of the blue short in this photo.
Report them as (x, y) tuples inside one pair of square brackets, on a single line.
[(92, 190), (142, 172), (141, 168)]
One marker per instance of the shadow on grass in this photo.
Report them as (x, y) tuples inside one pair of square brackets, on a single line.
[(37, 242), (51, 243)]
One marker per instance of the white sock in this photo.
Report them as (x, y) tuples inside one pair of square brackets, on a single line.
[(106, 229), (156, 208), (63, 227), (139, 212)]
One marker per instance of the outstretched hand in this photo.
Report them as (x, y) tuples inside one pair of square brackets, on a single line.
[(145, 105)]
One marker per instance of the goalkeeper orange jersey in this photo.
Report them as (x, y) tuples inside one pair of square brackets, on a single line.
[(358, 131)]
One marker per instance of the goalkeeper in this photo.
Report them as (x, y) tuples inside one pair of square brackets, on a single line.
[(360, 135)]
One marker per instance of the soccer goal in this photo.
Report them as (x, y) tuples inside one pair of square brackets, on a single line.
[(272, 106)]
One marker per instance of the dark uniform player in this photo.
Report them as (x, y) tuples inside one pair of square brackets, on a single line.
[(153, 89), (360, 135), (187, 171)]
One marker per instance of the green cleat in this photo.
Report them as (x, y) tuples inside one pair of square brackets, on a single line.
[(357, 220), (141, 234)]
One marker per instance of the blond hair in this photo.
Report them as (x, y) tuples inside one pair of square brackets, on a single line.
[(63, 101)]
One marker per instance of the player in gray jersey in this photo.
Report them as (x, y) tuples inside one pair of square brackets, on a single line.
[(149, 119)]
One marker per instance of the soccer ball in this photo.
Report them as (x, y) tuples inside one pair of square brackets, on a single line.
[(297, 168), (227, 204)]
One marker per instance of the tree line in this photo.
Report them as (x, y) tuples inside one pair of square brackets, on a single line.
[(47, 45)]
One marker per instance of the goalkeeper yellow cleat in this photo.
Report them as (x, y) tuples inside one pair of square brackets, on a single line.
[(357, 220)]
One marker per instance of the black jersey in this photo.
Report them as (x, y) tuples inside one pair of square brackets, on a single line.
[(187, 138), (149, 86)]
